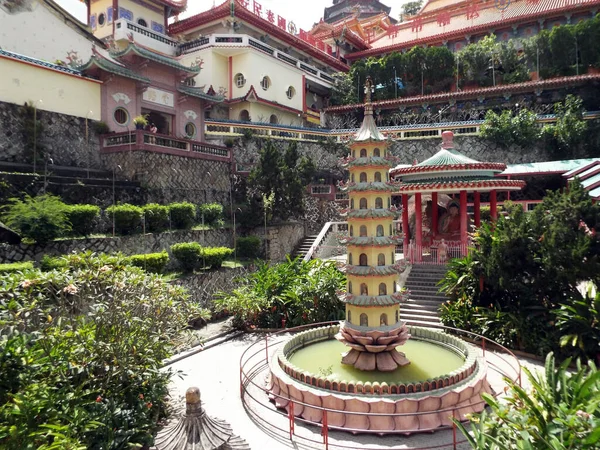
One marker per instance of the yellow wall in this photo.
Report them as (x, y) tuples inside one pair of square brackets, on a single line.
[(140, 12), (58, 92), (371, 225), (370, 172), (374, 314), (369, 146), (101, 6), (372, 283), (371, 197), (372, 254)]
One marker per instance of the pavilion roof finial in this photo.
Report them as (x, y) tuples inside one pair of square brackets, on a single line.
[(447, 139), (369, 89)]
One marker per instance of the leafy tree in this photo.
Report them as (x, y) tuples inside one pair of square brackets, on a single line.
[(587, 33), (537, 50), (563, 47), (344, 90), (568, 133), (475, 60), (511, 65), (412, 8), (507, 129)]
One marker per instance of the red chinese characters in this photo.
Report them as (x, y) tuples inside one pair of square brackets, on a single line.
[(270, 16), (257, 8), (443, 19), (472, 11), (281, 22), (417, 24)]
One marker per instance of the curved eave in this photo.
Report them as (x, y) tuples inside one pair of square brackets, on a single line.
[(373, 300), (373, 271), (371, 161), (371, 214), (375, 187), (195, 92), (375, 241), (157, 58), (455, 186), (465, 168), (110, 67)]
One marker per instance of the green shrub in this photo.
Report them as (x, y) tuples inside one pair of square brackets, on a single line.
[(127, 218), (560, 412), (82, 261), (151, 262), (42, 218), (16, 267), (213, 213), (188, 254), (183, 215), (248, 247), (83, 218), (49, 263), (156, 216), (214, 256), (82, 350)]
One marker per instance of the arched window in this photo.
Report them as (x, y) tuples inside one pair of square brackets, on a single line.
[(377, 177), (389, 202), (363, 152), (240, 80), (392, 260), (381, 259), (382, 289), (378, 203), (350, 258), (349, 316), (364, 320), (379, 230), (362, 260), (142, 23), (244, 115), (352, 178), (395, 286), (351, 230), (273, 119), (363, 203), (383, 320), (363, 177), (364, 290), (387, 176), (397, 316), (351, 203), (391, 230), (376, 152), (290, 92), (350, 287), (265, 83), (363, 230), (354, 153)]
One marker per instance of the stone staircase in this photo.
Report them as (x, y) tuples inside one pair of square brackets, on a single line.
[(304, 246), (421, 308)]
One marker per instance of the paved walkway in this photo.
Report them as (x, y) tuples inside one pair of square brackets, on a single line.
[(216, 371)]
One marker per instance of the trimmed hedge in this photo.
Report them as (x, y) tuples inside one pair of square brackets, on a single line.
[(81, 261), (156, 216), (188, 254), (16, 267), (248, 247), (213, 213), (183, 215), (83, 218), (214, 256), (150, 262), (127, 218)]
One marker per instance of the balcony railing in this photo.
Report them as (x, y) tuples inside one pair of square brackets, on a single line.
[(144, 140), (145, 36), (320, 189)]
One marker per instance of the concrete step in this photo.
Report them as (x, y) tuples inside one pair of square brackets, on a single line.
[(423, 323), (419, 312), (423, 286), (418, 316), (425, 302), (424, 297)]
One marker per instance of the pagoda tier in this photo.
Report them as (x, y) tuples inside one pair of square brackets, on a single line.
[(372, 328)]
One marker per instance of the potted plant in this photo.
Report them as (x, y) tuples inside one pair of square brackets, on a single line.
[(140, 121)]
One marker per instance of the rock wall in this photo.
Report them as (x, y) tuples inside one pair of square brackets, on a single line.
[(282, 239), (62, 138), (128, 245)]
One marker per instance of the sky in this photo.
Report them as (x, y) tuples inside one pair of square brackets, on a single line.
[(304, 13)]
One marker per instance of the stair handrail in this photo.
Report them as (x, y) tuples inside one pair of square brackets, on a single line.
[(327, 228)]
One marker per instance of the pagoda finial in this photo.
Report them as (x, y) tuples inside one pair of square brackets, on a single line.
[(447, 139), (369, 89)]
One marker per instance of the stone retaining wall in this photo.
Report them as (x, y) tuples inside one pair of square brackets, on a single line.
[(203, 286), (282, 239)]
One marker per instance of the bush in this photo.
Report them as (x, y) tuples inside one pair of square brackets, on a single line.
[(127, 218), (213, 213), (81, 356), (506, 128), (214, 256), (15, 267), (83, 218), (188, 254), (82, 261), (248, 247), (183, 215), (156, 217), (42, 218), (150, 262), (560, 412)]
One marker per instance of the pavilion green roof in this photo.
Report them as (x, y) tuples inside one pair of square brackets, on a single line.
[(447, 157), (590, 181), (371, 270), (547, 167), (373, 300), (156, 57), (595, 193), (111, 67)]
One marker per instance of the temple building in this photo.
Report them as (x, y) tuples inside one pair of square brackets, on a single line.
[(363, 9)]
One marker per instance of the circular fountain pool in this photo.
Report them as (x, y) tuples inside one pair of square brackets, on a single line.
[(445, 379)]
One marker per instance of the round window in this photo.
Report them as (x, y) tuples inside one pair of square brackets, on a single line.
[(265, 83), (190, 130), (291, 92), (142, 23), (121, 116), (101, 19), (240, 81)]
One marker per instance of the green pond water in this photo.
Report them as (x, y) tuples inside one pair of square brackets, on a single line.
[(426, 361)]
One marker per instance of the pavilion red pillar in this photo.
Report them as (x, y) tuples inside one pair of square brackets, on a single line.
[(477, 209), (464, 239), (419, 226), (434, 214), (405, 229), (493, 205)]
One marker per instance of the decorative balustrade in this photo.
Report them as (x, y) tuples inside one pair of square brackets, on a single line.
[(145, 36), (320, 189), (144, 140)]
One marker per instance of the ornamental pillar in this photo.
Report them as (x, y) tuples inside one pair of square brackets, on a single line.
[(405, 229), (419, 227), (434, 214), (477, 209), (464, 239), (493, 205)]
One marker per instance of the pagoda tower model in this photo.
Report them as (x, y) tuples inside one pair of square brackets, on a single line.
[(372, 328)]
